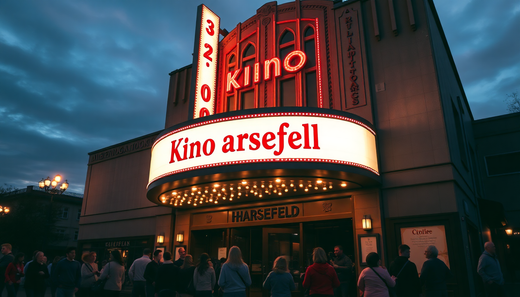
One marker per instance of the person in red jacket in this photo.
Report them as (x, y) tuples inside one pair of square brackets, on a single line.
[(320, 278), (13, 275)]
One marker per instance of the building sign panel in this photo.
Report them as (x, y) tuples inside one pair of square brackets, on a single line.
[(419, 238), (273, 137), (205, 62)]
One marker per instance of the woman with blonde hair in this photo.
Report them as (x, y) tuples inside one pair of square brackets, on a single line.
[(279, 281), (89, 273), (320, 277), (234, 275)]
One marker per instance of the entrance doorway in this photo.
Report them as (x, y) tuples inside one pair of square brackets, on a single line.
[(261, 245)]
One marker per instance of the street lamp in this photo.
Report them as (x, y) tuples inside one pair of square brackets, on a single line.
[(4, 210), (51, 186)]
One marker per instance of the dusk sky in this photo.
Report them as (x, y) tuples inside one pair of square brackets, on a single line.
[(78, 76)]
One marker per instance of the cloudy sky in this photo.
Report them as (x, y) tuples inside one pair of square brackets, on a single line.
[(77, 76)]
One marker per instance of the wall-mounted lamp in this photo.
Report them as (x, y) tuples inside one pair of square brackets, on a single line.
[(160, 238), (509, 231), (366, 221), (180, 237)]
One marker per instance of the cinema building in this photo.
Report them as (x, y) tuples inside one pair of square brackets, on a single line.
[(312, 123)]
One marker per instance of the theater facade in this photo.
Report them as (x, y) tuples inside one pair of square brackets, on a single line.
[(312, 123)]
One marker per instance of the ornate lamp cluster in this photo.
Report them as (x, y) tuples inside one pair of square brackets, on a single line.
[(51, 186), (4, 210), (228, 191)]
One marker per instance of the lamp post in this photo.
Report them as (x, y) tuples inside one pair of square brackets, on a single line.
[(51, 186), (4, 210)]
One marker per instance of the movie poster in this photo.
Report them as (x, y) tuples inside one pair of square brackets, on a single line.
[(419, 238)]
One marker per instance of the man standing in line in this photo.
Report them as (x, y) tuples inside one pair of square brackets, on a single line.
[(407, 282), (67, 274), (434, 274), (7, 257), (182, 255), (343, 266), (489, 270), (136, 273), (150, 273)]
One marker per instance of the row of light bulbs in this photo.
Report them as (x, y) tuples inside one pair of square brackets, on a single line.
[(216, 193)]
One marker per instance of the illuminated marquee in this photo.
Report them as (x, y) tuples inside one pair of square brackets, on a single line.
[(270, 137), (206, 60)]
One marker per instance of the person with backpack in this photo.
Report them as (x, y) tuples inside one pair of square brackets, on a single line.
[(234, 275), (407, 283), (375, 281)]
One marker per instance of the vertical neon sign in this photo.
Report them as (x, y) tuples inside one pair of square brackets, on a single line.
[(205, 59)]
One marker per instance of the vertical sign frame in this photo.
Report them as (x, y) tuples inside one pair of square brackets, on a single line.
[(205, 62)]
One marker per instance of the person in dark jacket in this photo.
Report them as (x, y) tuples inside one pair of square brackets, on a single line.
[(490, 271), (320, 278), (343, 266), (434, 274), (7, 258), (186, 287), (67, 274), (280, 282), (35, 276), (167, 277), (150, 273), (407, 283)]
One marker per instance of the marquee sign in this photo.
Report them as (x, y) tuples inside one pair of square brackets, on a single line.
[(205, 59), (267, 137)]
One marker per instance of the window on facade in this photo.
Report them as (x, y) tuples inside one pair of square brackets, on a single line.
[(460, 136), (247, 95), (64, 213), (503, 164), (286, 46), (76, 235), (311, 86), (287, 81), (60, 233), (288, 92)]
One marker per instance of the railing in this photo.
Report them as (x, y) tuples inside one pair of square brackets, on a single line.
[(35, 188)]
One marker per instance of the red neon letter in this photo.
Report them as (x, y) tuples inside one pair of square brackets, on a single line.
[(247, 78), (267, 68), (268, 137), (231, 80), (290, 56)]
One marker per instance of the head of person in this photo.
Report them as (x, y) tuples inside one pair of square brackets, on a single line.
[(158, 256), (338, 250), (280, 265), (39, 257), (147, 252), (70, 253), (89, 257), (404, 251), (6, 248), (182, 253), (188, 261), (431, 252), (490, 247), (234, 256), (56, 259), (373, 260), (167, 256), (115, 256), (203, 263), (319, 255), (45, 259), (18, 259)]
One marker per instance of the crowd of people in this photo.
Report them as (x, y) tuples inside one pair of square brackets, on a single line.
[(160, 276)]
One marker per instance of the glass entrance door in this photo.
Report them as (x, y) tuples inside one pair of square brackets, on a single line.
[(283, 242)]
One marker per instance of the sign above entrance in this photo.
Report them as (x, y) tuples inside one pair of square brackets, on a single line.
[(265, 138)]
